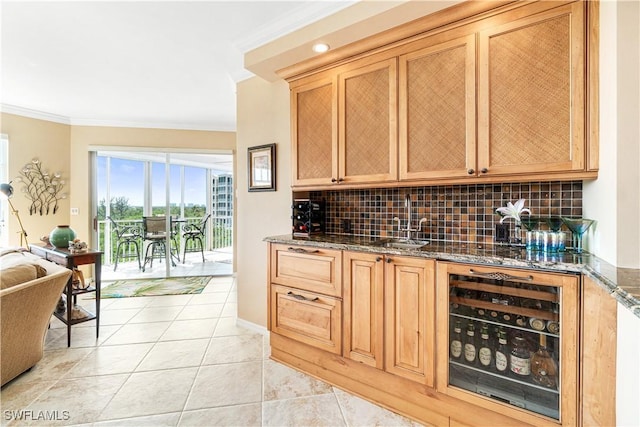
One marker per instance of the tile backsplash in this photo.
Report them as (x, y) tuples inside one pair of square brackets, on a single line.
[(458, 213)]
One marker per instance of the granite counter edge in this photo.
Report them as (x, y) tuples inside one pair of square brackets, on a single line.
[(601, 272)]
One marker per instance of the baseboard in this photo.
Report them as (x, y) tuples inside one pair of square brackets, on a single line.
[(252, 326)]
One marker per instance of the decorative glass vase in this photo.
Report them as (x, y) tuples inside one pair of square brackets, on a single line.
[(578, 226), (61, 236)]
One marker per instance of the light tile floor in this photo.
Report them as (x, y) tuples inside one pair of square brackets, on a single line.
[(175, 361)]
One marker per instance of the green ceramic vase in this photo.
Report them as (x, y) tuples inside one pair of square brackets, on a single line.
[(61, 236)]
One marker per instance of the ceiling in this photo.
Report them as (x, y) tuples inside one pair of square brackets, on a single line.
[(151, 64)]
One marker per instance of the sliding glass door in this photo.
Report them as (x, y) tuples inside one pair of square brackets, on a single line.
[(185, 189)]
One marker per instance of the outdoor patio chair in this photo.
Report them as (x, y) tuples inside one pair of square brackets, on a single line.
[(126, 237), (194, 233), (155, 234)]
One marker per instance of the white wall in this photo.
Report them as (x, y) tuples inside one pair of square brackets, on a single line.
[(628, 77), (616, 237), (628, 369), (263, 118)]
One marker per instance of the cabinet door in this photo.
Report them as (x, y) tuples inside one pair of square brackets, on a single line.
[(437, 97), (307, 317), (598, 338), (531, 94), (410, 318), (314, 149), (363, 307), (368, 123), (309, 268)]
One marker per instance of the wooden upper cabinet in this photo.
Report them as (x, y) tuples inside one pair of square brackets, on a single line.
[(511, 95), (437, 110), (531, 109), (367, 100), (314, 133)]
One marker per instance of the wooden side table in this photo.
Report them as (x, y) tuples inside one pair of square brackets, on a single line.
[(70, 260)]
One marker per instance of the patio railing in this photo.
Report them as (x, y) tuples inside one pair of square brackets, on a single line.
[(219, 234)]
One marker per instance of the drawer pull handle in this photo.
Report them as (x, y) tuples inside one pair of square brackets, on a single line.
[(499, 276), (302, 251), (301, 298)]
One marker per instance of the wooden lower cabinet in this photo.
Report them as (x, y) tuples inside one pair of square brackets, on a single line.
[(312, 269), (409, 305), (308, 317), (598, 337), (388, 338), (363, 308), (389, 311)]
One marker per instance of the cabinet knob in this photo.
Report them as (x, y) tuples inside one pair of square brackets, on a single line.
[(334, 180), (378, 259), (389, 260), (484, 170), (471, 171), (340, 179)]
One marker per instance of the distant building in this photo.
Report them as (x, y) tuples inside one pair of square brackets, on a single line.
[(223, 196)]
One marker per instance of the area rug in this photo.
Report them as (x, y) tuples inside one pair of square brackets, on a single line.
[(154, 287)]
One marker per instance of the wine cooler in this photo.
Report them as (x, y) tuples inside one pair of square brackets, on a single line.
[(511, 338), (308, 217)]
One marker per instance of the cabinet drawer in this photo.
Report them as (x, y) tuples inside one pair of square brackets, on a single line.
[(307, 317), (311, 269)]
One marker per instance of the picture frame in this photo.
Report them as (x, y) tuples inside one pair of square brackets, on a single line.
[(262, 167)]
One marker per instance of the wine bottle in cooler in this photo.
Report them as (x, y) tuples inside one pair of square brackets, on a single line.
[(501, 359), (456, 342), (485, 352), (470, 348)]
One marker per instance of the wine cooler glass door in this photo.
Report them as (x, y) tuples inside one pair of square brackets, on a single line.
[(504, 339)]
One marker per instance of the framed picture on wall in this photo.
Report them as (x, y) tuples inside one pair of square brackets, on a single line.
[(262, 167)]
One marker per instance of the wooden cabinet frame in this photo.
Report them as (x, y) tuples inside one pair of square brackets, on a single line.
[(389, 322), (469, 44), (390, 65), (576, 88), (302, 135), (314, 332)]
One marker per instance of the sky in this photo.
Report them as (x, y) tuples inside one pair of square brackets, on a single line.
[(127, 180)]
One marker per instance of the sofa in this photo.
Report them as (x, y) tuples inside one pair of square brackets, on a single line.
[(30, 288)]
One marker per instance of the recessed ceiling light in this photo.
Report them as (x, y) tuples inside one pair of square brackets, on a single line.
[(320, 47)]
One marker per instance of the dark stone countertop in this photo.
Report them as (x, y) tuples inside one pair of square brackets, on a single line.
[(621, 283)]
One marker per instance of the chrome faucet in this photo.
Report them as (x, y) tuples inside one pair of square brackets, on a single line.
[(408, 229)]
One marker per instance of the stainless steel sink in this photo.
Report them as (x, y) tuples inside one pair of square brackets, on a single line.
[(401, 243)]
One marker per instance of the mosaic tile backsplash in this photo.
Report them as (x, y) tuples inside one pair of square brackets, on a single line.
[(457, 213)]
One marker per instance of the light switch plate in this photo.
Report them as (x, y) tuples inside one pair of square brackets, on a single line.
[(502, 233)]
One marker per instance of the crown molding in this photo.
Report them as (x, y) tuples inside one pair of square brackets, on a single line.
[(56, 118), (35, 114), (219, 127), (296, 18)]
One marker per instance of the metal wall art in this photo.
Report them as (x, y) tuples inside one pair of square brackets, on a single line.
[(42, 188)]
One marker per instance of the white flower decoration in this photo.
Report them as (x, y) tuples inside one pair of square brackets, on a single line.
[(513, 211)]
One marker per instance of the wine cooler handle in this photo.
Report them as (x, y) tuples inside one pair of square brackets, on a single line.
[(499, 276), (302, 298), (302, 251)]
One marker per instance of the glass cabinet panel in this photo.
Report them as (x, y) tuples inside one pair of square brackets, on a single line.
[(504, 340)]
